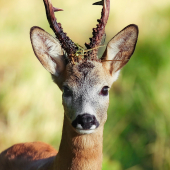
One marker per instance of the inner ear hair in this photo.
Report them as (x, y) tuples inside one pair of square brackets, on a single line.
[(120, 49), (48, 50)]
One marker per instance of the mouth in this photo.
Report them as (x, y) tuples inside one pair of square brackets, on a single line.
[(85, 124), (84, 132)]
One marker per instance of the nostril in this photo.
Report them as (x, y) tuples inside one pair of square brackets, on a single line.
[(89, 119)]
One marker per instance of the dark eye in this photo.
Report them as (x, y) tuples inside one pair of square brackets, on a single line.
[(104, 91), (67, 92)]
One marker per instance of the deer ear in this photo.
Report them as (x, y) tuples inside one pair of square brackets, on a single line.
[(119, 50), (48, 50)]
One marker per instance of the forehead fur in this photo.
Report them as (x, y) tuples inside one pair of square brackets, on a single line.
[(85, 67), (87, 72)]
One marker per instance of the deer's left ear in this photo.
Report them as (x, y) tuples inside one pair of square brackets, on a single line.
[(119, 50)]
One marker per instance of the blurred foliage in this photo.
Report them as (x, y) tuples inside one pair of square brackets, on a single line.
[(136, 135)]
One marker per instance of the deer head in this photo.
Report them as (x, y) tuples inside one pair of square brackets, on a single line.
[(84, 78)]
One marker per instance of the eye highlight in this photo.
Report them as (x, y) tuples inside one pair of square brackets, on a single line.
[(67, 92), (104, 91)]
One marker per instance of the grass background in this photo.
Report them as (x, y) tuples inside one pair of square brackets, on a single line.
[(136, 135)]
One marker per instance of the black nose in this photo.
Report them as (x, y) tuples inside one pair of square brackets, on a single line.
[(86, 121)]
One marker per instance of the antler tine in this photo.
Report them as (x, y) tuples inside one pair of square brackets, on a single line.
[(67, 44), (99, 31)]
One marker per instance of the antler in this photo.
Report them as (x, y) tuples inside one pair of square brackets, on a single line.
[(99, 31), (67, 44)]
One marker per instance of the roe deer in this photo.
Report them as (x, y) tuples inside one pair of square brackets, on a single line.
[(85, 81)]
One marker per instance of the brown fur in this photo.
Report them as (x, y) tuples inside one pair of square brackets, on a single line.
[(76, 152), (79, 152), (27, 156)]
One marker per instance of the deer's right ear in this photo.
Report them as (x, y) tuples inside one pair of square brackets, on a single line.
[(48, 50)]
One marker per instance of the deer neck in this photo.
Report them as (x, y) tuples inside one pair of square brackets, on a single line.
[(79, 152)]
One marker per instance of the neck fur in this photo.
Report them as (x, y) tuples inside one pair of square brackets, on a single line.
[(79, 152)]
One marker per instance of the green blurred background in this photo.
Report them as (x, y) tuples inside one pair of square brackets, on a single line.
[(137, 132)]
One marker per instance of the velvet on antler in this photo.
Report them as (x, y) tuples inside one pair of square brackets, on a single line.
[(99, 31), (67, 44)]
